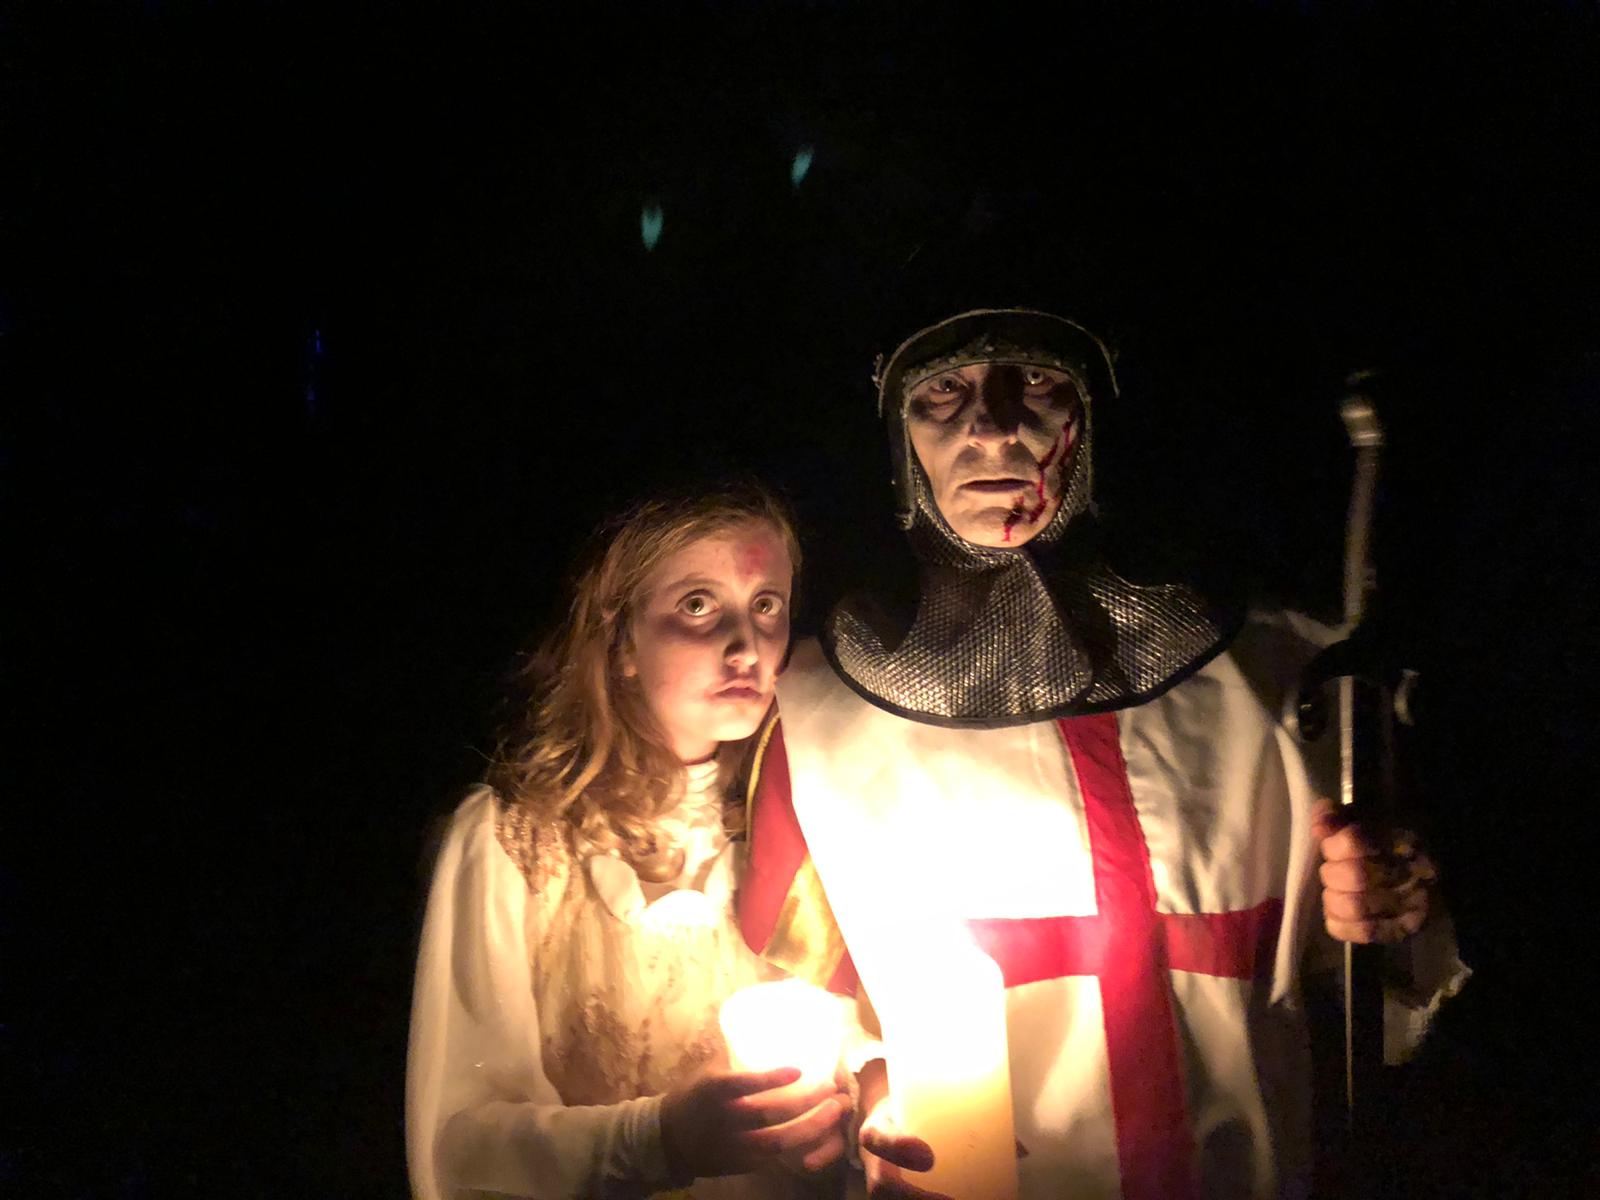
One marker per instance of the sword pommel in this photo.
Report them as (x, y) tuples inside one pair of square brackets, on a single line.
[(1358, 412)]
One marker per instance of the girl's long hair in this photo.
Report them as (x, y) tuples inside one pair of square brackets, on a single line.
[(580, 748)]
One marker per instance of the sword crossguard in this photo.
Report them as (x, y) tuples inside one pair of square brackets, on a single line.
[(1366, 658)]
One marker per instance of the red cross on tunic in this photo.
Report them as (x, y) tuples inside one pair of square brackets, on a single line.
[(1130, 946)]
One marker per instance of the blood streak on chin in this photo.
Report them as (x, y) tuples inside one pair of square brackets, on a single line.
[(1012, 518)]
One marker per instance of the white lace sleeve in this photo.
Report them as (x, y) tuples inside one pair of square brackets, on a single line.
[(481, 1115)]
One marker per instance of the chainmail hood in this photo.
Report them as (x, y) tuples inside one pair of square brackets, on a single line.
[(1008, 636)]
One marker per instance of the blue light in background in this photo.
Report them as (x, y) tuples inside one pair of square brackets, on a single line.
[(650, 221), (800, 165), (313, 367)]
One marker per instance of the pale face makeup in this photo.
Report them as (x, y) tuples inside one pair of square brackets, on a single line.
[(996, 441), (708, 634)]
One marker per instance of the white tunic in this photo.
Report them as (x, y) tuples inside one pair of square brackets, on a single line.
[(914, 826), (556, 1001)]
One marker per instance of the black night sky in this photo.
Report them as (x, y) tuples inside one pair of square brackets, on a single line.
[(329, 331)]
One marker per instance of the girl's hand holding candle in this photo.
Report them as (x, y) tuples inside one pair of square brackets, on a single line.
[(731, 1122), (779, 1102)]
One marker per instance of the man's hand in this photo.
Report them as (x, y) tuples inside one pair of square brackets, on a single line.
[(1375, 887), (728, 1123), (885, 1151)]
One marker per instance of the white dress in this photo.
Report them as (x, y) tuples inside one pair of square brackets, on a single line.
[(557, 999)]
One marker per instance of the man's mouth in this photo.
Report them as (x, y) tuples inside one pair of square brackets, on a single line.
[(999, 486)]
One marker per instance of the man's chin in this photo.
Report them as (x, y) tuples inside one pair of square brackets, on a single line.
[(1000, 527)]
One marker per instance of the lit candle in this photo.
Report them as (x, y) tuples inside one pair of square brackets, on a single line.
[(949, 1070), (788, 1023)]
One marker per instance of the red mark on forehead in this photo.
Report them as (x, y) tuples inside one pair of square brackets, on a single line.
[(753, 555)]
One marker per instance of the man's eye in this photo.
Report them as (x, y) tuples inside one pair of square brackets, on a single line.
[(696, 604), (940, 397), (768, 606), (1037, 376)]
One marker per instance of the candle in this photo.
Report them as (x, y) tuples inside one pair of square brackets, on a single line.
[(950, 1072), (788, 1023)]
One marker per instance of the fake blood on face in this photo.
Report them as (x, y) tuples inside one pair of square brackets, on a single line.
[(753, 556), (1026, 511)]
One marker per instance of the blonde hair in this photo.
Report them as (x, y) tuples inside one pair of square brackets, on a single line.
[(581, 749)]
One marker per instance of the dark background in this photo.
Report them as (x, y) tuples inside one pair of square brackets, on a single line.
[(328, 332)]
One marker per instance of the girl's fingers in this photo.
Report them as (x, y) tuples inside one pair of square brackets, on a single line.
[(776, 1106), (824, 1153), (809, 1127), (735, 1084), (913, 1154)]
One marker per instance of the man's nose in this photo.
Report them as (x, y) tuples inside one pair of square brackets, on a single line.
[(998, 410)]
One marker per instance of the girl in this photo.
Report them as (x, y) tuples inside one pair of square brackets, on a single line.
[(579, 937)]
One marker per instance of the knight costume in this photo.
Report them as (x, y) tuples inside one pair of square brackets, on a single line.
[(1095, 781)]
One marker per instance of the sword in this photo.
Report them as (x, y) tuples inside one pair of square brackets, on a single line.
[(1360, 582), (1372, 693)]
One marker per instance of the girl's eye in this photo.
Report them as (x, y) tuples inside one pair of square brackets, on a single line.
[(696, 604)]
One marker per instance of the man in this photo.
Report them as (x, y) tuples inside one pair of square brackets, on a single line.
[(1092, 779)]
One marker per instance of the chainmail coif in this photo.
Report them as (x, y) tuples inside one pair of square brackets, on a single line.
[(1008, 636)]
